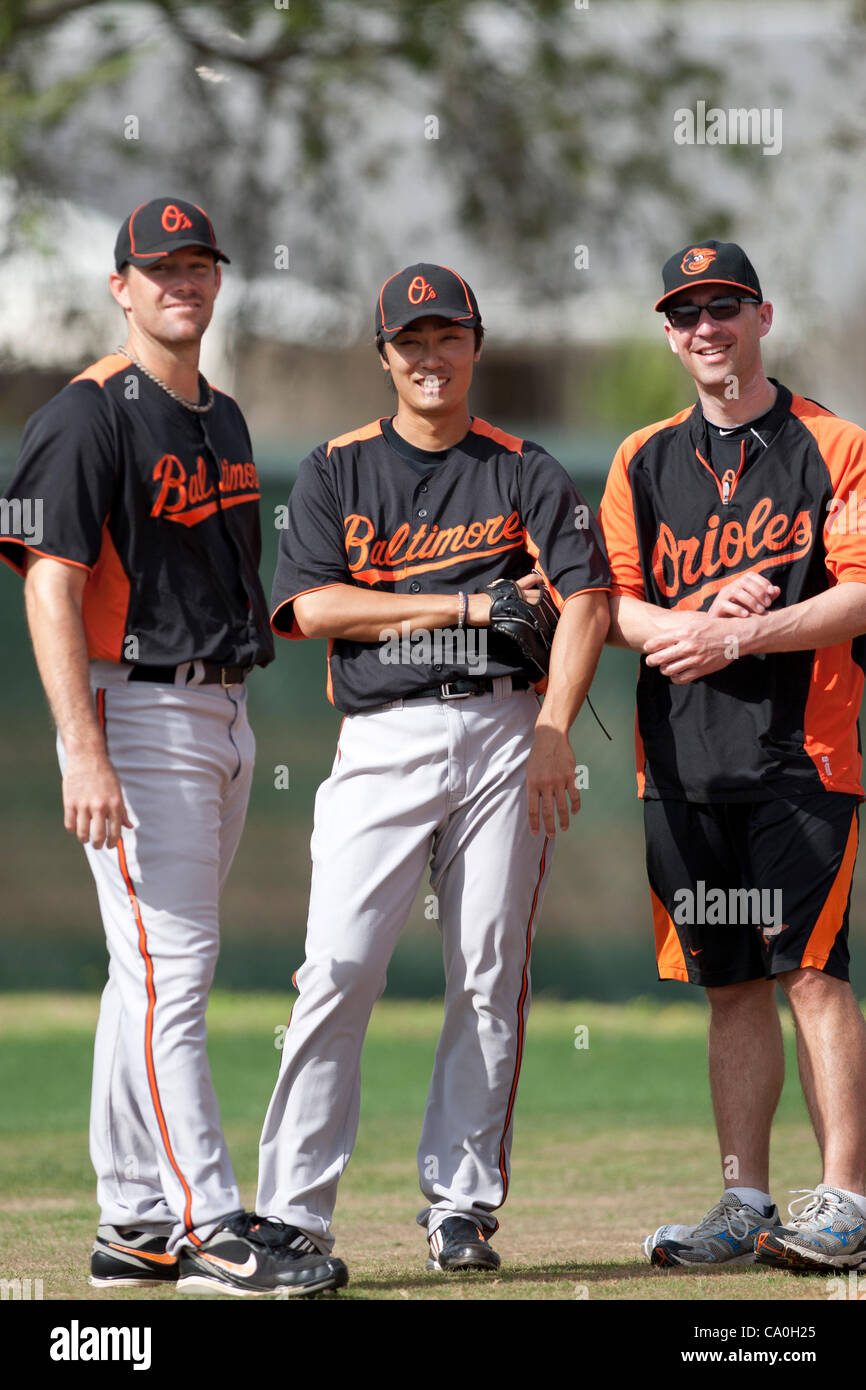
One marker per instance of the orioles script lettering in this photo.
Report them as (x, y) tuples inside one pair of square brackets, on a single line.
[(679, 564)]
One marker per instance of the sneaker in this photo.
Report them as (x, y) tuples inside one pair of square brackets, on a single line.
[(459, 1244), (126, 1259), (726, 1235), (827, 1232), (256, 1255)]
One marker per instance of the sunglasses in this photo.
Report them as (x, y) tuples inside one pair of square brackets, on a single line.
[(687, 315)]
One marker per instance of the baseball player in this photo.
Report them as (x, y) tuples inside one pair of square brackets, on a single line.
[(739, 571), (147, 615), (443, 758)]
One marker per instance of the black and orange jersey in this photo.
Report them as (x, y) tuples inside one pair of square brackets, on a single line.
[(676, 533), (159, 504), (495, 507)]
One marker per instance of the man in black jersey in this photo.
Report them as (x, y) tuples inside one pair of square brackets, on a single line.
[(736, 577), (444, 757), (147, 614)]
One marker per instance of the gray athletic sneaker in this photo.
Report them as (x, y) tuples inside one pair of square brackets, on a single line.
[(825, 1231), (130, 1259), (726, 1235)]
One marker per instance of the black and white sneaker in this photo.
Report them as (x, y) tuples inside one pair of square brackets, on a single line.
[(459, 1244), (259, 1256), (128, 1259)]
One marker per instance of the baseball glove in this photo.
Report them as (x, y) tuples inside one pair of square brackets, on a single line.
[(521, 630)]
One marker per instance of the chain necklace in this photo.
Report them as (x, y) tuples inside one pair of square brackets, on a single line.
[(181, 400)]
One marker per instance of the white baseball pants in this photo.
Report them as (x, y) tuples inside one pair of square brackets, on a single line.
[(416, 782), (184, 756)]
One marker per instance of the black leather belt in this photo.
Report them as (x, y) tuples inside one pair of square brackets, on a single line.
[(198, 673), (461, 689)]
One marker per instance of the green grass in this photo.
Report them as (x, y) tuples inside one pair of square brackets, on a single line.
[(610, 1140)]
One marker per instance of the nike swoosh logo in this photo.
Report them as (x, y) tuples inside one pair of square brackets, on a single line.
[(143, 1254), (249, 1267), (697, 952)]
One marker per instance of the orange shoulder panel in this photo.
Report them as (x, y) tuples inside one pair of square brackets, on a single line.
[(636, 441), (839, 441), (106, 366), (354, 436), (616, 512), (508, 441), (842, 446)]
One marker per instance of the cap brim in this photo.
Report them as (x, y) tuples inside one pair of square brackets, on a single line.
[(464, 320), (148, 257), (707, 280)]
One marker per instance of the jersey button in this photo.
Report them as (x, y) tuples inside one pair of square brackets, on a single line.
[(423, 487), (437, 668), (423, 511), (415, 587)]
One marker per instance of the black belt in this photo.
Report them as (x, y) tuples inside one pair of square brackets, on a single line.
[(198, 673), (461, 689)]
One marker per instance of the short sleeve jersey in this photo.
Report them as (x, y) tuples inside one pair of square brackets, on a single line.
[(781, 724), (160, 505), (359, 514)]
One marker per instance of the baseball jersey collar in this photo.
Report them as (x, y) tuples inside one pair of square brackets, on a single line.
[(772, 420)]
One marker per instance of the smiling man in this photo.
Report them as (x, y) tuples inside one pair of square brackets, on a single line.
[(739, 572), (400, 527), (147, 615)]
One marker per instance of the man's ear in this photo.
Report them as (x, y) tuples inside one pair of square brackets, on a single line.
[(218, 276), (119, 288), (765, 318), (670, 337)]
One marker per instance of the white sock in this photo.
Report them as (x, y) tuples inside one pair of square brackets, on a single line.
[(856, 1197), (754, 1197)]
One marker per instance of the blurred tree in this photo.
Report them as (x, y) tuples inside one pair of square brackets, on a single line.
[(528, 124)]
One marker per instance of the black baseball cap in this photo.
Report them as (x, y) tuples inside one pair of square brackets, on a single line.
[(161, 226), (420, 290), (711, 263)]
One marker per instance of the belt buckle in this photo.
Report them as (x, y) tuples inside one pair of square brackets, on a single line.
[(446, 693), (223, 682)]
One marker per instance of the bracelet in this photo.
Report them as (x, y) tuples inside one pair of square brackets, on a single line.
[(463, 604)]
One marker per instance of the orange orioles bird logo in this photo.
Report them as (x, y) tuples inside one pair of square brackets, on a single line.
[(419, 290), (173, 220), (698, 259), (768, 932)]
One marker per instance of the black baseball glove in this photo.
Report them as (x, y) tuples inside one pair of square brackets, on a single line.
[(520, 630)]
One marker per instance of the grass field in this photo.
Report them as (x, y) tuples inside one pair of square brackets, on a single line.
[(611, 1139)]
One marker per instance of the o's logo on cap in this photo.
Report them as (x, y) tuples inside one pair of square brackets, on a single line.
[(698, 259), (173, 220), (419, 290)]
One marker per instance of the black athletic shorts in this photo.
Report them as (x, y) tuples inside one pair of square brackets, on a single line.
[(746, 890)]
